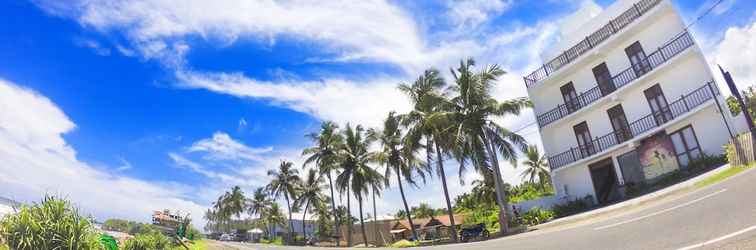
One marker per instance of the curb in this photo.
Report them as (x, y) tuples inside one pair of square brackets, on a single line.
[(637, 200)]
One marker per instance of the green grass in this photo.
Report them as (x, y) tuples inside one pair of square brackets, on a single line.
[(4, 247), (196, 245), (722, 175), (404, 243), (278, 241)]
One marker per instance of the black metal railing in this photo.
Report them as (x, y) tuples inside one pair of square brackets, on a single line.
[(591, 41), (651, 62), (637, 127)]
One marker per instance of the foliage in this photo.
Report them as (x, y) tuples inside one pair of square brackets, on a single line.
[(278, 241), (536, 216), (536, 167), (405, 243), (148, 241), (529, 191), (126, 226), (52, 224), (487, 215), (4, 247), (748, 98), (571, 207), (422, 211), (733, 170), (194, 245), (707, 161)]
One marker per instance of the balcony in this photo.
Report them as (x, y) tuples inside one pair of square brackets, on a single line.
[(591, 41), (673, 110), (635, 71)]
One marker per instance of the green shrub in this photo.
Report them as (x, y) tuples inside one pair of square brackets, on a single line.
[(52, 224), (148, 241), (571, 207), (536, 216), (489, 216), (706, 161), (278, 241), (404, 243)]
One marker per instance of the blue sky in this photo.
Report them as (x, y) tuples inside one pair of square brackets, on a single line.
[(153, 105)]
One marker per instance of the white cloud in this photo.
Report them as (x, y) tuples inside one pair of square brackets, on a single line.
[(471, 13), (98, 48), (125, 165), (736, 54), (222, 147), (339, 100), (38, 161)]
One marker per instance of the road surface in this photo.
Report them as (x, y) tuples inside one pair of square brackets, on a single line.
[(720, 216)]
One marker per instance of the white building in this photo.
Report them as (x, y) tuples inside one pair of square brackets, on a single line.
[(625, 96)]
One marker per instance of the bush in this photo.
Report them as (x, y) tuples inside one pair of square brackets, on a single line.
[(278, 241), (404, 243), (489, 216), (148, 241), (571, 207), (52, 224), (536, 216), (706, 161)]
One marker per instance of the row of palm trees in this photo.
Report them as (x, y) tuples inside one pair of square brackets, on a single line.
[(448, 121)]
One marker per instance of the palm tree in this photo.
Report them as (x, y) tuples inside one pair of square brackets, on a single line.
[(478, 137), (356, 174), (221, 211), (537, 167), (423, 211), (236, 202), (399, 158), (285, 182), (309, 193), (258, 204), (273, 217), (325, 157), (429, 120)]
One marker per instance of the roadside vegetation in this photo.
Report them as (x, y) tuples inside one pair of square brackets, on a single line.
[(723, 175)]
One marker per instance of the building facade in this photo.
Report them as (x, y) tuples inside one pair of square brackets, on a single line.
[(625, 98)]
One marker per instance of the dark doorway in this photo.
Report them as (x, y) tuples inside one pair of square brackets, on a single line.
[(658, 104), (603, 79), (570, 97), (604, 181), (583, 137), (619, 123), (638, 59)]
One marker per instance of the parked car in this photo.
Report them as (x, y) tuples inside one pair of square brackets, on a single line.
[(226, 237)]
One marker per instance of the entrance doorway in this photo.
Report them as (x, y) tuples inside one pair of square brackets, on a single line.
[(604, 181)]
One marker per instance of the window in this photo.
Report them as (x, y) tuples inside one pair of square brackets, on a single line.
[(638, 59), (619, 123), (603, 79), (658, 104), (583, 137), (686, 145), (570, 97)]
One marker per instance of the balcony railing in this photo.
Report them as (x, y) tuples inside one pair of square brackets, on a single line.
[(591, 41), (648, 64), (644, 124)]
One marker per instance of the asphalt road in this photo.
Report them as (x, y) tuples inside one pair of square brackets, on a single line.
[(720, 216)]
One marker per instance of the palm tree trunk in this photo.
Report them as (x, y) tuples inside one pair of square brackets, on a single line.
[(375, 219), (335, 214), (500, 195), (349, 220), (406, 207), (362, 222), (304, 216), (453, 228), (291, 226)]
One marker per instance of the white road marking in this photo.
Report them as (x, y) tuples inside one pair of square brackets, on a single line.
[(660, 211), (718, 239)]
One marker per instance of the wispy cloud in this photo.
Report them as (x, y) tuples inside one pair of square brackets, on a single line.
[(125, 165), (222, 147)]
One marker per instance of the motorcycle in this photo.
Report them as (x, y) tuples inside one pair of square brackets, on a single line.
[(477, 231)]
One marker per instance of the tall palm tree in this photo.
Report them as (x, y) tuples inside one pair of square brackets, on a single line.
[(236, 202), (481, 138), (429, 121), (221, 212), (285, 182), (310, 193), (325, 156), (537, 167), (273, 217), (399, 158), (356, 174), (257, 205)]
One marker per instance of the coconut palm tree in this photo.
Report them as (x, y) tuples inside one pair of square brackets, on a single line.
[(481, 139), (536, 167), (423, 211), (356, 174), (257, 205), (285, 183), (325, 156), (429, 120), (236, 202), (310, 193), (399, 158), (221, 211), (273, 217)]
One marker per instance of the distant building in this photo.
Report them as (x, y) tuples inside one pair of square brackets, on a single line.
[(624, 98), (427, 228), (165, 219)]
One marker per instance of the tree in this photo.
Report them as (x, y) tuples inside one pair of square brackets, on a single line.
[(423, 211), (257, 206), (428, 120), (235, 202), (273, 217), (536, 167), (325, 156), (285, 182), (478, 137), (748, 98), (310, 194), (356, 174), (399, 158)]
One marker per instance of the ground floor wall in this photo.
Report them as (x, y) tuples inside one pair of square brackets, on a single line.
[(709, 129)]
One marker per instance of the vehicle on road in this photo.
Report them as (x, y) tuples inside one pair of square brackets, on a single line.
[(226, 237), (478, 231)]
